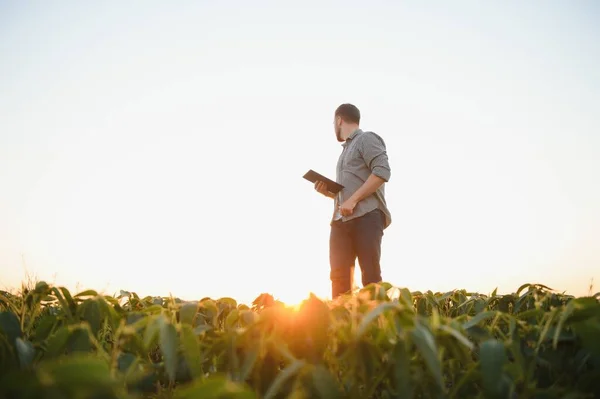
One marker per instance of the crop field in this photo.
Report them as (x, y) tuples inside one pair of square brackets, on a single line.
[(379, 342)]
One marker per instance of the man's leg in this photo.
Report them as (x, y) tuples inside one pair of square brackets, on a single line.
[(367, 234), (341, 259)]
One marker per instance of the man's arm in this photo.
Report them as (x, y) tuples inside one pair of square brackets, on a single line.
[(374, 154), (369, 187)]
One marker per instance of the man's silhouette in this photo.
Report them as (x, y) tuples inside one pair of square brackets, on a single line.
[(360, 212)]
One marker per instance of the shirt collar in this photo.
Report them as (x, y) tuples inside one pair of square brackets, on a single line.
[(354, 133)]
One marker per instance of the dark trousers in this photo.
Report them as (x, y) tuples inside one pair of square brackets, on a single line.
[(360, 237)]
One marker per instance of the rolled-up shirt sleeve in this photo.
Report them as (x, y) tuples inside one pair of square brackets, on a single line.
[(374, 153)]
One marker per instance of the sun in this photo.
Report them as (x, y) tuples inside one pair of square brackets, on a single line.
[(297, 304), (294, 294)]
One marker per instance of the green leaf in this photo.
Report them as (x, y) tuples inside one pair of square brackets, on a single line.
[(136, 319), (492, 359), (588, 332), (86, 293), (77, 372), (90, 313), (108, 311), (191, 350), (210, 309), (550, 316), (232, 303), (585, 308), (521, 288), (57, 342), (324, 383), (125, 361), (151, 331), (406, 296), (282, 378), (168, 345), (367, 354), (456, 334), (374, 314), (153, 309), (8, 303), (68, 298), (9, 325), (41, 287), (44, 328), (65, 305), (202, 328), (251, 356), (247, 316), (468, 377), (401, 371), (187, 312), (314, 316), (432, 300), (425, 343), (215, 387), (79, 339), (231, 319), (422, 306), (479, 318)]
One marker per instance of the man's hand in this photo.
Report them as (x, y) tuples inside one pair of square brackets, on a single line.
[(368, 188), (322, 188), (347, 208)]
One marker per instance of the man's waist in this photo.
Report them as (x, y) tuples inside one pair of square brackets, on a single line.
[(345, 194)]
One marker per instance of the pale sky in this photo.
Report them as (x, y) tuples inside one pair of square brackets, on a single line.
[(159, 147)]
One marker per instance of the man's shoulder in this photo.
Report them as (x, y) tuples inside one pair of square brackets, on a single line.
[(370, 136)]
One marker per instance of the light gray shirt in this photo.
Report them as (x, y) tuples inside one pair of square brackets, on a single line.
[(363, 153)]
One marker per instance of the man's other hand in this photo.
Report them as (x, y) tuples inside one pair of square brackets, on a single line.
[(321, 187), (347, 208)]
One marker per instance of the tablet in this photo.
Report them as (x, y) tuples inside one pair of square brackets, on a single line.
[(332, 186)]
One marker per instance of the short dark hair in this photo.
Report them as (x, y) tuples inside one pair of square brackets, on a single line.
[(348, 113)]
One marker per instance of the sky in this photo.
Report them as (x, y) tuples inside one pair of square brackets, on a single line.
[(159, 147)]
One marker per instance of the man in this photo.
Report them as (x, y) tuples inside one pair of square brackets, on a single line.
[(360, 212)]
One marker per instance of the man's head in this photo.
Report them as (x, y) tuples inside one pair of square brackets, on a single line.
[(346, 120)]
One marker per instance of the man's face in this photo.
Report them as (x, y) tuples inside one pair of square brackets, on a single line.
[(337, 127)]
